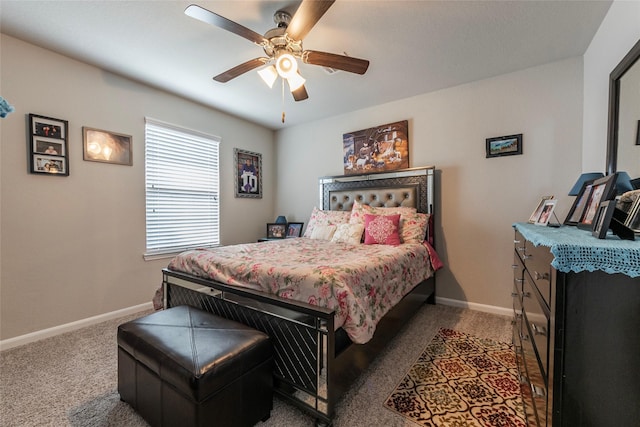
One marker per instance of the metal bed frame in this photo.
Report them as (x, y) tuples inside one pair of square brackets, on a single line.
[(314, 363)]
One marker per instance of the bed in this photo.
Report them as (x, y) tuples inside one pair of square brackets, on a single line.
[(320, 346)]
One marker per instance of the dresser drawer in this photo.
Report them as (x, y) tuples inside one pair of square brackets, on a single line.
[(534, 391), (535, 317), (537, 261), (518, 280), (519, 244)]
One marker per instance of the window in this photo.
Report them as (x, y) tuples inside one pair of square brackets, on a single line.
[(182, 189)]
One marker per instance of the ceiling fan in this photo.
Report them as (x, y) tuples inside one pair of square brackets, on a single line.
[(283, 46)]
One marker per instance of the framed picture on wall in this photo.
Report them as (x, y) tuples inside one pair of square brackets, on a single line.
[(106, 147), (378, 149), (504, 145), (48, 146), (248, 173)]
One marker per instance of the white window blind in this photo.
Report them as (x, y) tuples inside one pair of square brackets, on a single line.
[(182, 188)]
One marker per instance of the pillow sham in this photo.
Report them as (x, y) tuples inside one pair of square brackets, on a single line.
[(414, 227), (323, 232), (359, 211), (320, 217), (348, 233), (381, 229)]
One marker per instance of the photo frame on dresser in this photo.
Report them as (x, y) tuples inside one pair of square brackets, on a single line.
[(603, 219), (538, 210), (585, 206), (546, 212)]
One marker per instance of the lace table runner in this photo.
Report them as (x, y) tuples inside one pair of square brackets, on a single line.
[(577, 250)]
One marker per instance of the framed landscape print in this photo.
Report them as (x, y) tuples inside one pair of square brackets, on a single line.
[(48, 146), (248, 171), (504, 145), (378, 149)]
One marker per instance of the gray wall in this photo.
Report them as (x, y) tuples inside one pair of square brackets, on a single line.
[(72, 247), (478, 198)]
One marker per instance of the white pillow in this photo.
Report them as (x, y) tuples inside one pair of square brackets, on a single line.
[(323, 232), (348, 233)]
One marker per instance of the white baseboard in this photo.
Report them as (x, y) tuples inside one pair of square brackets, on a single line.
[(68, 327), (478, 307)]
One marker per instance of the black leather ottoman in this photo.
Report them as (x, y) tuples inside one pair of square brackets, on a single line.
[(186, 367)]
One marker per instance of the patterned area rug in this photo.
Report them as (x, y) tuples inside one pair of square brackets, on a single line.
[(460, 380)]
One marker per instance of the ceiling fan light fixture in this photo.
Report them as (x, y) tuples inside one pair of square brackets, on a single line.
[(295, 81), (286, 65), (268, 75)]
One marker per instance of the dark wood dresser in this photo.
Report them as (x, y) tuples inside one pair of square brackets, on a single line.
[(576, 302)]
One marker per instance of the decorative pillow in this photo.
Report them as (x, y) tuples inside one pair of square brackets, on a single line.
[(348, 233), (323, 232), (359, 211), (414, 227), (320, 217), (381, 229)]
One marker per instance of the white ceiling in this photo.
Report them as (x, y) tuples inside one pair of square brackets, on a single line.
[(414, 47)]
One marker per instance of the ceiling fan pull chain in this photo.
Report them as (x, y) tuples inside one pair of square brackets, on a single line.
[(282, 100)]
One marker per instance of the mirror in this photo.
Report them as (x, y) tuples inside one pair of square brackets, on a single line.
[(624, 115)]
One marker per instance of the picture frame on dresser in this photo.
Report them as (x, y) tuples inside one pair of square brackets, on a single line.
[(602, 189), (580, 203), (538, 210), (547, 211), (603, 219), (633, 217)]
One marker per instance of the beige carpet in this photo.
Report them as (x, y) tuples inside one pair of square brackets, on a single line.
[(461, 380), (71, 379)]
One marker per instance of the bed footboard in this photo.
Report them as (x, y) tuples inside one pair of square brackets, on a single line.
[(311, 371), (303, 335)]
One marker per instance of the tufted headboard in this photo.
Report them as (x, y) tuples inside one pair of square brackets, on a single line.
[(408, 187)]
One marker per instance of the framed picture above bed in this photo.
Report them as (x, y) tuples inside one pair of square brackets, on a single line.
[(248, 173), (378, 149)]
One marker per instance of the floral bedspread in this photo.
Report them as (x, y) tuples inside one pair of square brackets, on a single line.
[(360, 282)]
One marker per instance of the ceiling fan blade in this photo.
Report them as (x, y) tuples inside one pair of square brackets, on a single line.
[(240, 69), (307, 15), (209, 17), (300, 94), (339, 62)]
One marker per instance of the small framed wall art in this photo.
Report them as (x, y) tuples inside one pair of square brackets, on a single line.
[(504, 145), (248, 170), (107, 147), (48, 146)]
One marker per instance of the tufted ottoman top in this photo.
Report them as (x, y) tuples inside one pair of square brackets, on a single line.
[(195, 351)]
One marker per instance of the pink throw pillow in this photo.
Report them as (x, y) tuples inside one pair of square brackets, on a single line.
[(381, 229)]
